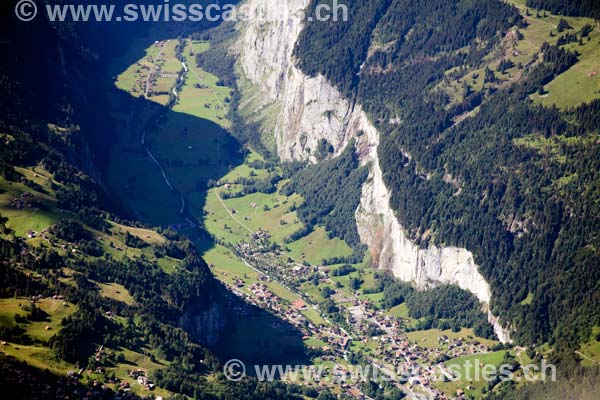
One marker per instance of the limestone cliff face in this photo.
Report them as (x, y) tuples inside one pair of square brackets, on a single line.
[(308, 109)]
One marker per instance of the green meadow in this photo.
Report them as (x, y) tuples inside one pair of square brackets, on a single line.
[(579, 84), (471, 373)]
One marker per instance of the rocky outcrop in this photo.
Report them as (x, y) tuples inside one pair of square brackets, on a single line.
[(204, 325), (309, 109)]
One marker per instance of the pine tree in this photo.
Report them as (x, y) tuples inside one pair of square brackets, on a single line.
[(3, 221)]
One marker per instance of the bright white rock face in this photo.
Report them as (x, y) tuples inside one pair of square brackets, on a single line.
[(310, 109)]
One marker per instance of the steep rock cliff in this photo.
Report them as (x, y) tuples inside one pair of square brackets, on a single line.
[(309, 109), (204, 325)]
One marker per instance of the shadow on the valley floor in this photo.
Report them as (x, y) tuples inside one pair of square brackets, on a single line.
[(163, 161), (257, 337)]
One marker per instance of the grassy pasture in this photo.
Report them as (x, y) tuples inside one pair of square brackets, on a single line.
[(57, 310), (43, 211), (116, 292), (8, 309), (578, 84), (317, 246), (38, 357), (429, 338), (147, 235), (471, 371), (40, 331), (590, 351), (201, 96)]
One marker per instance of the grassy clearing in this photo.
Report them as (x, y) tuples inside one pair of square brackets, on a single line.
[(314, 316), (39, 331), (168, 264), (38, 357), (590, 351), (256, 211), (116, 292), (8, 309), (527, 300), (57, 310), (399, 311), (552, 148), (577, 85), (201, 95), (147, 235), (38, 212), (313, 342), (317, 246)]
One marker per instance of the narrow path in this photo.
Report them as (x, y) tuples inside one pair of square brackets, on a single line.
[(586, 357), (231, 214)]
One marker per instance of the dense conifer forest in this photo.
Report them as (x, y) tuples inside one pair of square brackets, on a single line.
[(582, 8)]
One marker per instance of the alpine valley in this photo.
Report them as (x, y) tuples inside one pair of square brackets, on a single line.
[(411, 192)]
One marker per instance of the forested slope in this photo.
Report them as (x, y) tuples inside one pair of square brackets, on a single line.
[(581, 8), (512, 181)]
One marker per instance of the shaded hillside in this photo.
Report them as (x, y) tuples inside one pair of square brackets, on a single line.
[(84, 285)]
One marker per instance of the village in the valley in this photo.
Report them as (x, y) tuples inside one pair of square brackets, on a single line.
[(411, 367)]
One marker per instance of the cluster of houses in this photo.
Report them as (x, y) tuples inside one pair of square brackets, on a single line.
[(422, 366), (142, 379), (25, 200), (43, 234), (147, 77), (264, 297)]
